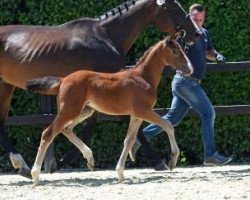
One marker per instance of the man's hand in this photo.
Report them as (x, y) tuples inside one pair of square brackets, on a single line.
[(220, 59)]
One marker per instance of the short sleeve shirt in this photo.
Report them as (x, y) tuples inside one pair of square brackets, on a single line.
[(197, 54)]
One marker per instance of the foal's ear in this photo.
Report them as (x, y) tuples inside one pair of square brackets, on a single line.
[(170, 43)]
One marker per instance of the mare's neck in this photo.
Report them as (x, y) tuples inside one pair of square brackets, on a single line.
[(124, 29), (151, 66)]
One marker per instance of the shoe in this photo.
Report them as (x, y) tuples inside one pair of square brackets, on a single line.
[(217, 159), (133, 151), (161, 166)]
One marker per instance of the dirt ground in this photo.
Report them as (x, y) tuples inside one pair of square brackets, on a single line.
[(227, 182)]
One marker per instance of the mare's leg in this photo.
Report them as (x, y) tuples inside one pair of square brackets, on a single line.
[(49, 164), (86, 151), (152, 117), (6, 92), (85, 136), (152, 156), (155, 160), (128, 143)]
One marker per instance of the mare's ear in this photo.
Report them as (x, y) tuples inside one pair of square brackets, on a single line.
[(160, 2)]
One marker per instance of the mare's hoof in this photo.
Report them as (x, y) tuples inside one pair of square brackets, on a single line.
[(161, 166), (53, 167), (25, 173)]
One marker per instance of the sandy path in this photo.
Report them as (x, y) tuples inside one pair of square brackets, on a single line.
[(227, 182)]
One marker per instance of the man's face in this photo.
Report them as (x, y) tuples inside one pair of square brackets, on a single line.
[(198, 17)]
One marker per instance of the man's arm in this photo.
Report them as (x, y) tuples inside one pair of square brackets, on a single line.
[(212, 54)]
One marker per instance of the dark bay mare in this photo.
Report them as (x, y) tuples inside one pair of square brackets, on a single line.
[(28, 52), (130, 92)]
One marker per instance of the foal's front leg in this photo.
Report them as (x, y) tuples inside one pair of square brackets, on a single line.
[(129, 141), (152, 117)]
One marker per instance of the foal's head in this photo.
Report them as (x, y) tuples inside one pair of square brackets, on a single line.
[(174, 56)]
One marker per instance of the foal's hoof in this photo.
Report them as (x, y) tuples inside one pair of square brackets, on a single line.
[(161, 166), (25, 173), (36, 183), (121, 178), (171, 165), (120, 171), (91, 164)]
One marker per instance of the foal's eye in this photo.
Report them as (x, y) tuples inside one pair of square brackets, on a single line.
[(175, 50), (170, 44)]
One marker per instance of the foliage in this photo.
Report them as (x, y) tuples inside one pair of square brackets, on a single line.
[(230, 33)]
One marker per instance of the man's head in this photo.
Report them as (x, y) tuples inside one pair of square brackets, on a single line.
[(197, 12)]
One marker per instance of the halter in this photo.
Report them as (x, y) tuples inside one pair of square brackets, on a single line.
[(179, 29)]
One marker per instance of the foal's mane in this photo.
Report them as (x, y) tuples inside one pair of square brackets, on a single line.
[(118, 9), (147, 52)]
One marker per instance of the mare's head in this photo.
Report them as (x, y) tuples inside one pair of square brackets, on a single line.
[(174, 56), (172, 18)]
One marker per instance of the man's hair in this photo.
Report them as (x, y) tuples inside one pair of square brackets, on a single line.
[(198, 7)]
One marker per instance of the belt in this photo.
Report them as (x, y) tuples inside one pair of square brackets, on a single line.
[(189, 77)]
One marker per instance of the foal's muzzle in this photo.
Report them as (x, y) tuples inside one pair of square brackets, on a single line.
[(187, 70)]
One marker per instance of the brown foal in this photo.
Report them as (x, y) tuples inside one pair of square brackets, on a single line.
[(131, 92)]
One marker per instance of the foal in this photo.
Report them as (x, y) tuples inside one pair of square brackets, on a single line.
[(131, 92)]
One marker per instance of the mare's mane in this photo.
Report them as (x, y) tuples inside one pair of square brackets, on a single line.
[(118, 9), (111, 13)]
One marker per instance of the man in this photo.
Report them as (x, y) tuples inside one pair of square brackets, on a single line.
[(187, 93)]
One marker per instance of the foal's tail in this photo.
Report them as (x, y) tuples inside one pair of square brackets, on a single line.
[(47, 85)]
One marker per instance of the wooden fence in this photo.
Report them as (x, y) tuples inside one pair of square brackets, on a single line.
[(47, 116)]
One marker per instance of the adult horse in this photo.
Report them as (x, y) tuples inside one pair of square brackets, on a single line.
[(28, 52), (130, 92)]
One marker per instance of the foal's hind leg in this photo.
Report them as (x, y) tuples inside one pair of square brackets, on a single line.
[(47, 137), (152, 117), (128, 144), (86, 151), (6, 92)]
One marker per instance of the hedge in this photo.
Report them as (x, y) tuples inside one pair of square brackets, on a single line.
[(230, 33)]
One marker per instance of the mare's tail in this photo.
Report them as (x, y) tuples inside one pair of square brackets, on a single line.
[(46, 85)]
